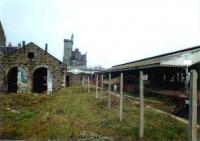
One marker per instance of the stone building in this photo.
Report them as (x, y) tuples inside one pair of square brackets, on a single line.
[(73, 58), (5, 50), (76, 63), (31, 69), (2, 36)]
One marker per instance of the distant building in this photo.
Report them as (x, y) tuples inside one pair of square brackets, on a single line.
[(76, 63), (74, 58)]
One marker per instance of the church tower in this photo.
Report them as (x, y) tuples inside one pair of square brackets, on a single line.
[(68, 46)]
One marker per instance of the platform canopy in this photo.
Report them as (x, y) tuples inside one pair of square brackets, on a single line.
[(79, 71), (182, 58)]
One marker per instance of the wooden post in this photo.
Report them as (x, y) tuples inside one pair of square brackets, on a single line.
[(109, 90), (97, 86), (186, 81), (83, 79), (193, 107), (121, 98), (141, 133), (102, 83), (88, 83)]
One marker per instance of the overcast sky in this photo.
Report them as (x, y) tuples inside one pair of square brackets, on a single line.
[(110, 31)]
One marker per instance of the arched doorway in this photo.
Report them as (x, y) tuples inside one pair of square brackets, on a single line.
[(42, 80), (17, 80), (12, 80)]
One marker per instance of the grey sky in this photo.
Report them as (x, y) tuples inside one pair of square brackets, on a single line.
[(110, 31)]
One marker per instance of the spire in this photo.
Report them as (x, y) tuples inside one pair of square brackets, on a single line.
[(72, 38)]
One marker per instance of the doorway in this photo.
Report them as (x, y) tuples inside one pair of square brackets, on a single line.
[(40, 80), (12, 80)]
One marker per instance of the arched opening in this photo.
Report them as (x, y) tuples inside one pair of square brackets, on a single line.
[(17, 80), (12, 80), (42, 80)]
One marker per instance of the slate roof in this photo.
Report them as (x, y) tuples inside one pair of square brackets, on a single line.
[(7, 50), (32, 44)]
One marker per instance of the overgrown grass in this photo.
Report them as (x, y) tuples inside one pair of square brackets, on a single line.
[(74, 114)]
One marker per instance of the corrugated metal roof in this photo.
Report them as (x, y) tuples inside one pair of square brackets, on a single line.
[(154, 61)]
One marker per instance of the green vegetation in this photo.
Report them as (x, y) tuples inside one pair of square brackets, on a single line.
[(74, 114), (158, 102)]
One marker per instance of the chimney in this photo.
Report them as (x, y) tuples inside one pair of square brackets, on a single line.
[(46, 47), (19, 45), (9, 44), (23, 43)]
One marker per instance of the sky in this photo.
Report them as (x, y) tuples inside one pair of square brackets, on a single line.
[(112, 32)]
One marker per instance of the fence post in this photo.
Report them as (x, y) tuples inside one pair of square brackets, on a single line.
[(109, 90), (97, 87), (83, 79), (121, 98), (102, 83), (88, 83), (141, 87), (193, 107), (187, 80)]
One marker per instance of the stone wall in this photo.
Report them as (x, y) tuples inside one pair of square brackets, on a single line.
[(41, 58)]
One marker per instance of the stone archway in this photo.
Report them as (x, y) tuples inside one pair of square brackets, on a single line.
[(17, 79)]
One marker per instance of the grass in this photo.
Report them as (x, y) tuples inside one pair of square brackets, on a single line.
[(73, 114), (158, 102)]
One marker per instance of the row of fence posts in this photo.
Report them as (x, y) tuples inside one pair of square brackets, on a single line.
[(192, 106)]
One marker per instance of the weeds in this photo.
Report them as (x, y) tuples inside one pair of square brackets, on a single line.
[(73, 114)]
